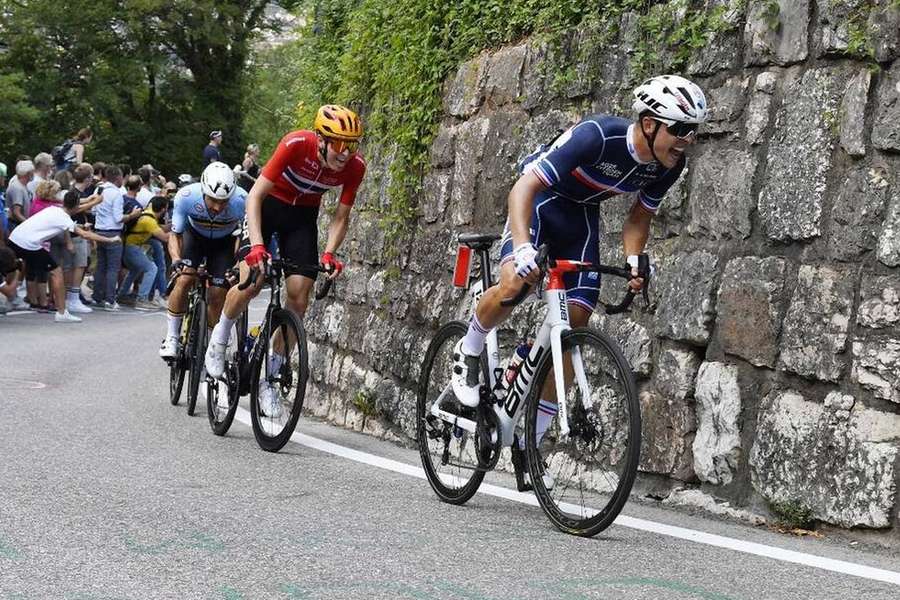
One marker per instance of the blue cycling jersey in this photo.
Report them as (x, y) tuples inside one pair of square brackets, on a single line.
[(596, 160), (190, 208)]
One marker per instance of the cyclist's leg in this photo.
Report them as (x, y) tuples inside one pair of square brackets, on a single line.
[(219, 258), (299, 246)]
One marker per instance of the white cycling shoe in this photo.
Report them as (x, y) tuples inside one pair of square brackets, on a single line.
[(215, 359), (169, 348), (269, 403), (464, 376)]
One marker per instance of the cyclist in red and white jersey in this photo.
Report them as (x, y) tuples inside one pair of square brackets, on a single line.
[(285, 200)]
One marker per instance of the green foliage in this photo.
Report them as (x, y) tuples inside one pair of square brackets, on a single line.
[(793, 514), (859, 44), (389, 60), (772, 14), (18, 113), (151, 77), (364, 401)]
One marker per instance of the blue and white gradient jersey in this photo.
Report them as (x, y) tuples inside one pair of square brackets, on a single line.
[(596, 160), (190, 209)]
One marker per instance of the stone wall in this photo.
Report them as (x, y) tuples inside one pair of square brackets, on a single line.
[(769, 360)]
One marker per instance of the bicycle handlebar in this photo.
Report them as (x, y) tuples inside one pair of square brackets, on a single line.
[(281, 264), (544, 262)]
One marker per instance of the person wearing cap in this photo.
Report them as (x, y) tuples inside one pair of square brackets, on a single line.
[(211, 152), (18, 196)]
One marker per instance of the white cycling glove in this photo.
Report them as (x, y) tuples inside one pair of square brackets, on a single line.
[(524, 256)]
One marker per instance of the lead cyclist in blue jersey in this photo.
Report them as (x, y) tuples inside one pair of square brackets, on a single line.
[(204, 219), (556, 199)]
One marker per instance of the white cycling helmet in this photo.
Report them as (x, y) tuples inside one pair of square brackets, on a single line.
[(671, 98), (185, 179), (217, 181)]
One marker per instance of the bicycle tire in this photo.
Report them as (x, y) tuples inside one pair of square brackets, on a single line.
[(199, 336), (220, 421), (286, 322), (603, 423), (177, 369), (440, 349)]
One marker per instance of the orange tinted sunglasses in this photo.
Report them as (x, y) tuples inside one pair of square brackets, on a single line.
[(340, 145)]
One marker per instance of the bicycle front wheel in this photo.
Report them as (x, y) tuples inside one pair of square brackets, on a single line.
[(177, 369), (222, 397), (199, 338), (582, 479), (278, 381), (448, 452)]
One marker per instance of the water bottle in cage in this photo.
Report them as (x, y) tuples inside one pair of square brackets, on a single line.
[(251, 338), (518, 358)]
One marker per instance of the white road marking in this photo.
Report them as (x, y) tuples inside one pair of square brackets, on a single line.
[(700, 537)]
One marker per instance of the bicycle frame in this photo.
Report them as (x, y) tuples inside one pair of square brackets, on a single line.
[(508, 404)]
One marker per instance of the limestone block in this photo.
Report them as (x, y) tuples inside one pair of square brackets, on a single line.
[(436, 194), (834, 24), (879, 305), (722, 52), (856, 213), (886, 129), (465, 92), (876, 366), (799, 158), (667, 433), (888, 250), (504, 75), (839, 463), (533, 85), (726, 103), (750, 305), (686, 289), (633, 338), (469, 153), (884, 27), (853, 114), (717, 446), (776, 37), (675, 373), (351, 287), (721, 199), (502, 149), (757, 117), (443, 146), (815, 328)]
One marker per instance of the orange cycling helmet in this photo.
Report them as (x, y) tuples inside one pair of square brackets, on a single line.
[(335, 121)]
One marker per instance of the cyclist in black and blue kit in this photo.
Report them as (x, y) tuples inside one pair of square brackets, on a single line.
[(205, 218), (556, 201)]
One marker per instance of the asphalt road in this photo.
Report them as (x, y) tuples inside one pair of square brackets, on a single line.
[(107, 491)]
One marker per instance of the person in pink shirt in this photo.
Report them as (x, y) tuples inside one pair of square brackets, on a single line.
[(45, 194)]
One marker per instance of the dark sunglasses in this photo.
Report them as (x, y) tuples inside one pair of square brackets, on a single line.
[(681, 130), (340, 145)]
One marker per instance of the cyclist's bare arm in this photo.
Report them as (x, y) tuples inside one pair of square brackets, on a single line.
[(175, 246), (520, 204), (337, 230), (161, 234), (255, 198), (635, 232)]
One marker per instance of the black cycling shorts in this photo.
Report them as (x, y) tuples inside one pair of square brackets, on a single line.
[(298, 234), (219, 254), (38, 263)]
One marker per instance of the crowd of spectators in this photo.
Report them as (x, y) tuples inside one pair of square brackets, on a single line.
[(77, 236)]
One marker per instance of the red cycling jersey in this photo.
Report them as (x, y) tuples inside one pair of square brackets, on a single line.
[(300, 179)]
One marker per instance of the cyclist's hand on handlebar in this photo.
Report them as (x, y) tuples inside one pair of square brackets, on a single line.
[(257, 255), (332, 265), (636, 284), (180, 264), (526, 267)]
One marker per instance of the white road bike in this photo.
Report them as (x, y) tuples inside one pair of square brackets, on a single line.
[(584, 465)]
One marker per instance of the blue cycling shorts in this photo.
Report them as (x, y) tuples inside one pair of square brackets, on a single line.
[(572, 231)]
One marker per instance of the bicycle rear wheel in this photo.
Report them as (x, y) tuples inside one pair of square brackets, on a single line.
[(278, 381), (582, 480), (222, 397), (199, 336), (448, 452), (178, 366)]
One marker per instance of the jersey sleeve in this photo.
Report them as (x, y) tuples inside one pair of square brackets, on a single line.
[(350, 187), (179, 211), (282, 155), (582, 144), (652, 194)]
